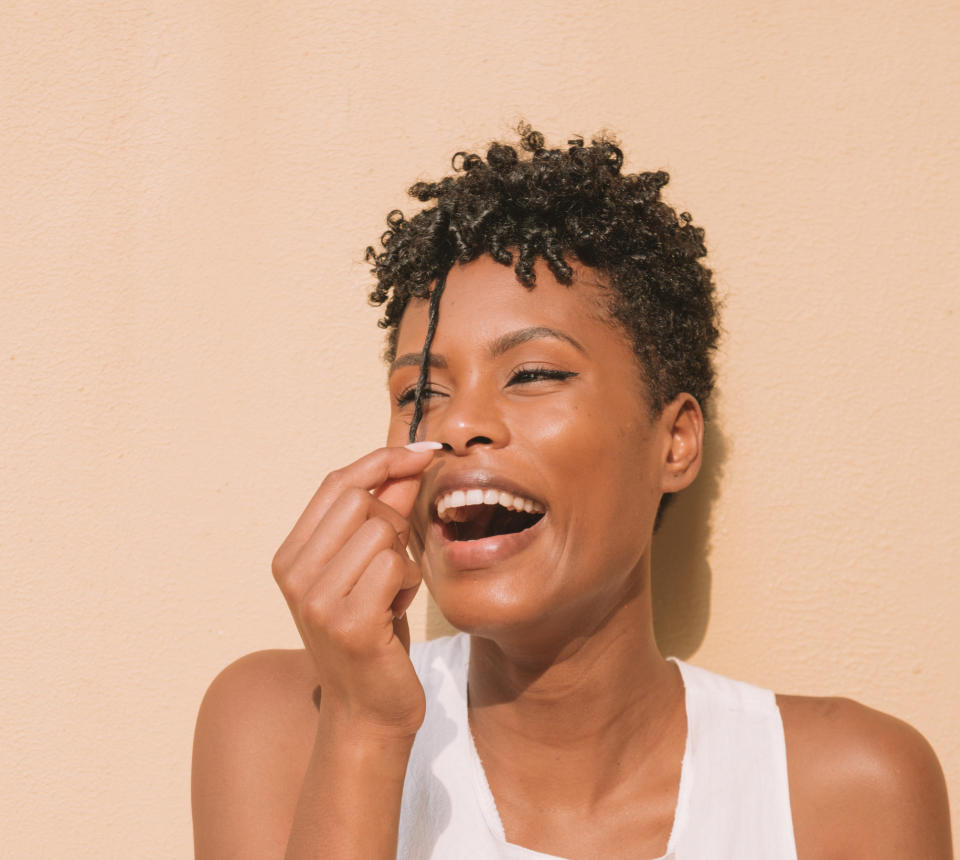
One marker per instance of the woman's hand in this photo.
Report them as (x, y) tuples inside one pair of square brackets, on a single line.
[(348, 581)]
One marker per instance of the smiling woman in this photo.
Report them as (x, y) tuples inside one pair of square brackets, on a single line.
[(550, 331)]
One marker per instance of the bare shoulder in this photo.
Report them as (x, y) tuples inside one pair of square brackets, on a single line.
[(253, 739), (266, 686), (862, 783)]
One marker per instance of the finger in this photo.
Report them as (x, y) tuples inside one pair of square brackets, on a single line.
[(415, 542), (363, 618), (405, 596), (388, 575), (370, 472), (400, 493), (341, 522), (345, 569), (345, 516), (378, 470)]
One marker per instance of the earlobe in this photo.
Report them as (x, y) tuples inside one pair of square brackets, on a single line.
[(683, 420)]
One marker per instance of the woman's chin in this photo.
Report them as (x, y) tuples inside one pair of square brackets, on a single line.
[(477, 607)]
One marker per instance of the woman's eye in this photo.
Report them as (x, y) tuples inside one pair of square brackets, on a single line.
[(536, 374), (523, 376), (405, 398)]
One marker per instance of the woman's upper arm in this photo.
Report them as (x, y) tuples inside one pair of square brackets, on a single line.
[(863, 784), (254, 734)]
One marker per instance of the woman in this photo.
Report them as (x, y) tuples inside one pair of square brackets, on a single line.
[(551, 329)]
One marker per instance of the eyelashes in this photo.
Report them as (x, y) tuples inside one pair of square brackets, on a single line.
[(522, 376), (408, 395), (535, 374)]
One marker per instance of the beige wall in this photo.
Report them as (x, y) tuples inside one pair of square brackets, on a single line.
[(187, 190)]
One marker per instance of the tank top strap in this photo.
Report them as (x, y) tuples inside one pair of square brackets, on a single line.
[(736, 800), (706, 688)]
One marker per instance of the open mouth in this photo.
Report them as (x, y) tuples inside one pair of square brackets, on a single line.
[(469, 515)]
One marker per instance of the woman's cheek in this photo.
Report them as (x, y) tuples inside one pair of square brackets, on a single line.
[(397, 431), (569, 426)]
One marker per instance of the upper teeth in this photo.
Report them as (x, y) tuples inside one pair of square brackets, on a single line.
[(448, 502)]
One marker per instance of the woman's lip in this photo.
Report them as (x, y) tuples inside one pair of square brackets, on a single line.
[(484, 552)]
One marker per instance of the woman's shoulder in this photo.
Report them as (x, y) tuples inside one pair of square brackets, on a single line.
[(260, 683), (269, 695), (255, 728), (862, 783), (260, 695)]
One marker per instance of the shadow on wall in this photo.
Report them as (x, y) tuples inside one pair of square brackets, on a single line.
[(680, 581), (681, 574)]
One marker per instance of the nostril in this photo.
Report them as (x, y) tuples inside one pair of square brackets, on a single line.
[(479, 440)]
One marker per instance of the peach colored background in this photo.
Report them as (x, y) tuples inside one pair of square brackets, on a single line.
[(187, 191)]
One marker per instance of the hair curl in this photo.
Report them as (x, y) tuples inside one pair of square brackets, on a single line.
[(565, 205)]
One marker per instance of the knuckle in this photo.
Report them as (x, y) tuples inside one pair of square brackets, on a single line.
[(333, 480), (380, 530), (280, 564), (315, 608), (390, 563), (289, 593), (356, 498)]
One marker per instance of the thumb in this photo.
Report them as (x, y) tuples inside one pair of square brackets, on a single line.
[(400, 493)]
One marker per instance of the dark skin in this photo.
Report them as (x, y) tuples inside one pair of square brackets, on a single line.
[(577, 717)]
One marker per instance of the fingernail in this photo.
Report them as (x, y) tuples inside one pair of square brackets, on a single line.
[(417, 447)]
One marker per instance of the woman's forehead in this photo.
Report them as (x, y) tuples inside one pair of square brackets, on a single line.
[(483, 301)]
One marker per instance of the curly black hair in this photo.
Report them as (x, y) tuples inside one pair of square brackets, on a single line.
[(565, 205)]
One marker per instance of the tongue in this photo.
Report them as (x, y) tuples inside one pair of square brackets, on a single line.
[(477, 523), (488, 520)]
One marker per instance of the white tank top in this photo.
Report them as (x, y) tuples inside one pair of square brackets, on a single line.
[(733, 802)]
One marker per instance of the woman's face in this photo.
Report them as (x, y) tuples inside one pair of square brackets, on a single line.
[(540, 404)]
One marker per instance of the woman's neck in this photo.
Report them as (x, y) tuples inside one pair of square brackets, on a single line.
[(584, 723)]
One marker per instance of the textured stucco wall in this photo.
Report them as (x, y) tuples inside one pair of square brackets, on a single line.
[(187, 190)]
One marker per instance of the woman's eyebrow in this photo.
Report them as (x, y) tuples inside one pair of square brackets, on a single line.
[(508, 341), (502, 344), (413, 359)]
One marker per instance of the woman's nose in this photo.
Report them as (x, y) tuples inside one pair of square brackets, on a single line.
[(466, 421)]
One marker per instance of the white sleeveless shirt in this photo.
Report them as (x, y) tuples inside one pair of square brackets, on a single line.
[(733, 802)]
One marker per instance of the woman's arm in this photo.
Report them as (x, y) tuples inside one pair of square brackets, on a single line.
[(275, 775), (269, 770), (253, 739), (350, 800)]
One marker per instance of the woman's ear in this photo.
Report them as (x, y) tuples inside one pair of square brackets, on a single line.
[(682, 424)]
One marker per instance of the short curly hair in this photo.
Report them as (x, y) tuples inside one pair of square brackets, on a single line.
[(565, 205)]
